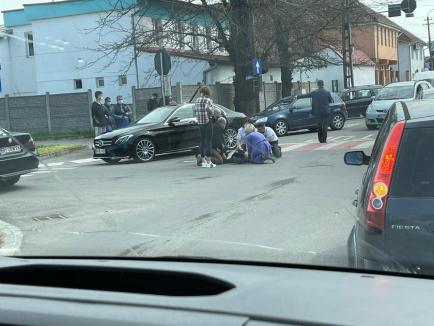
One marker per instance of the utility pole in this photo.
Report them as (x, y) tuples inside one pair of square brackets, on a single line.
[(257, 81), (431, 52), (347, 47), (133, 27)]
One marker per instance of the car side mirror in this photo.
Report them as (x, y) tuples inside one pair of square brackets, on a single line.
[(356, 158), (173, 120)]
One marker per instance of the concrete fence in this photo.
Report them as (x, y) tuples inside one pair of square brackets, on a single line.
[(49, 113)]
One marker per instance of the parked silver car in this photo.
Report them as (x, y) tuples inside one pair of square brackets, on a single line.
[(409, 90)]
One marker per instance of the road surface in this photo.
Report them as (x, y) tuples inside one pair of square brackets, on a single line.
[(298, 210)]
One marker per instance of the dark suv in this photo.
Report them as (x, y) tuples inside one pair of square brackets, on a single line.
[(358, 99), (394, 226)]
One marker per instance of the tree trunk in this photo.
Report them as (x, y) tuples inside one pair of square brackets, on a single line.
[(286, 67), (242, 53)]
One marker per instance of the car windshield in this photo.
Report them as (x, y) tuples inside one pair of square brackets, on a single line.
[(156, 116), (204, 129), (395, 93), (278, 106)]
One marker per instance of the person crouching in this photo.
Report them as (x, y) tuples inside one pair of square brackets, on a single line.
[(271, 136), (258, 147)]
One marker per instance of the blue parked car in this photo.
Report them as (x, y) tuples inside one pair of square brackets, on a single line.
[(291, 113)]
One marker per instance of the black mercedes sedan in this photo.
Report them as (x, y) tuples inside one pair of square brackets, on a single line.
[(17, 156), (165, 130)]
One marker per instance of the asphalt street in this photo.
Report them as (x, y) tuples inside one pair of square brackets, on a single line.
[(297, 210)]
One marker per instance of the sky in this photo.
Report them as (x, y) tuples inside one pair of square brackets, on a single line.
[(415, 25)]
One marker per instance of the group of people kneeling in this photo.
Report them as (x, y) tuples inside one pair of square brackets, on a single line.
[(255, 143)]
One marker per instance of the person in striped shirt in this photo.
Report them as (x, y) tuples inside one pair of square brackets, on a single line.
[(204, 111)]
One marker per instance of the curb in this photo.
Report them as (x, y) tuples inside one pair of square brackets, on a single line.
[(64, 152), (11, 238)]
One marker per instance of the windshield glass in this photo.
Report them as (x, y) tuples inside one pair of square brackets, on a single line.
[(209, 129), (278, 106), (156, 116), (395, 93)]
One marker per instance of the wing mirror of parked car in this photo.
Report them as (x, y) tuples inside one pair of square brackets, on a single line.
[(173, 120), (356, 158)]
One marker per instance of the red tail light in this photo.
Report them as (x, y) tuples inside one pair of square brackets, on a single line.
[(31, 145), (375, 212)]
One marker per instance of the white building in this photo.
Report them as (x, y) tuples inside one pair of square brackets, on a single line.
[(411, 56), (332, 73), (50, 47)]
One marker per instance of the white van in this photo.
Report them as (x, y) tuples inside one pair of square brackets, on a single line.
[(425, 75)]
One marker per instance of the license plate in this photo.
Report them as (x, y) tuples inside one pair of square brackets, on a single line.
[(99, 151), (10, 149)]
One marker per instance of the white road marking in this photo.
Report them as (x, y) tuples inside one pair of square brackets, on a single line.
[(56, 164), (41, 172), (255, 245), (365, 144), (292, 147), (192, 161), (328, 146), (341, 138), (350, 125), (65, 168), (367, 137), (85, 160), (12, 239)]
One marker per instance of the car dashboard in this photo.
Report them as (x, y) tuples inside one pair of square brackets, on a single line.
[(145, 292)]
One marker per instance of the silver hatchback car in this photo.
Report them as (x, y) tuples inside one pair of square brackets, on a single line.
[(399, 91)]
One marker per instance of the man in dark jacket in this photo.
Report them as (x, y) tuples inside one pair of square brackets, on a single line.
[(321, 99), (99, 116), (153, 102)]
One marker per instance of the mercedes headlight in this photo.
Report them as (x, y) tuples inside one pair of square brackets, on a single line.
[(370, 108), (123, 139), (262, 120)]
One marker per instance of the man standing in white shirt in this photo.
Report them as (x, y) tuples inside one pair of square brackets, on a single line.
[(271, 136)]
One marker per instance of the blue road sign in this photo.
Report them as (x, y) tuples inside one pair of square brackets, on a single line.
[(257, 66)]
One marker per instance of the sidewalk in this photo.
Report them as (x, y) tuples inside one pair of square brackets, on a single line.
[(78, 141)]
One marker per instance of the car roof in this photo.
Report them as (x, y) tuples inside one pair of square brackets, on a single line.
[(356, 88), (416, 112), (404, 83)]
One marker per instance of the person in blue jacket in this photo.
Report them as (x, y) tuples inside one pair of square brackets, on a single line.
[(258, 147)]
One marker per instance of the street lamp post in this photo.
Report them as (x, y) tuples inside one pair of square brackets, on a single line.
[(431, 63)]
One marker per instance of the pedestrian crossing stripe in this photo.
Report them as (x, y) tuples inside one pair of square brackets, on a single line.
[(338, 145)]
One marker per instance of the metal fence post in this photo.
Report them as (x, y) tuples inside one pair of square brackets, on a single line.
[(47, 107), (8, 117), (179, 93), (89, 99), (133, 93)]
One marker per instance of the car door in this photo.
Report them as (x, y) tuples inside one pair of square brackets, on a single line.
[(349, 97), (363, 99), (185, 132), (300, 114)]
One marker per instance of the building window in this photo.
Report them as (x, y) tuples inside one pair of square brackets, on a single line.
[(381, 35), (123, 80), (30, 49), (78, 84), (271, 77), (100, 82), (208, 38), (413, 50), (157, 26), (416, 49), (389, 36), (378, 35), (385, 36)]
